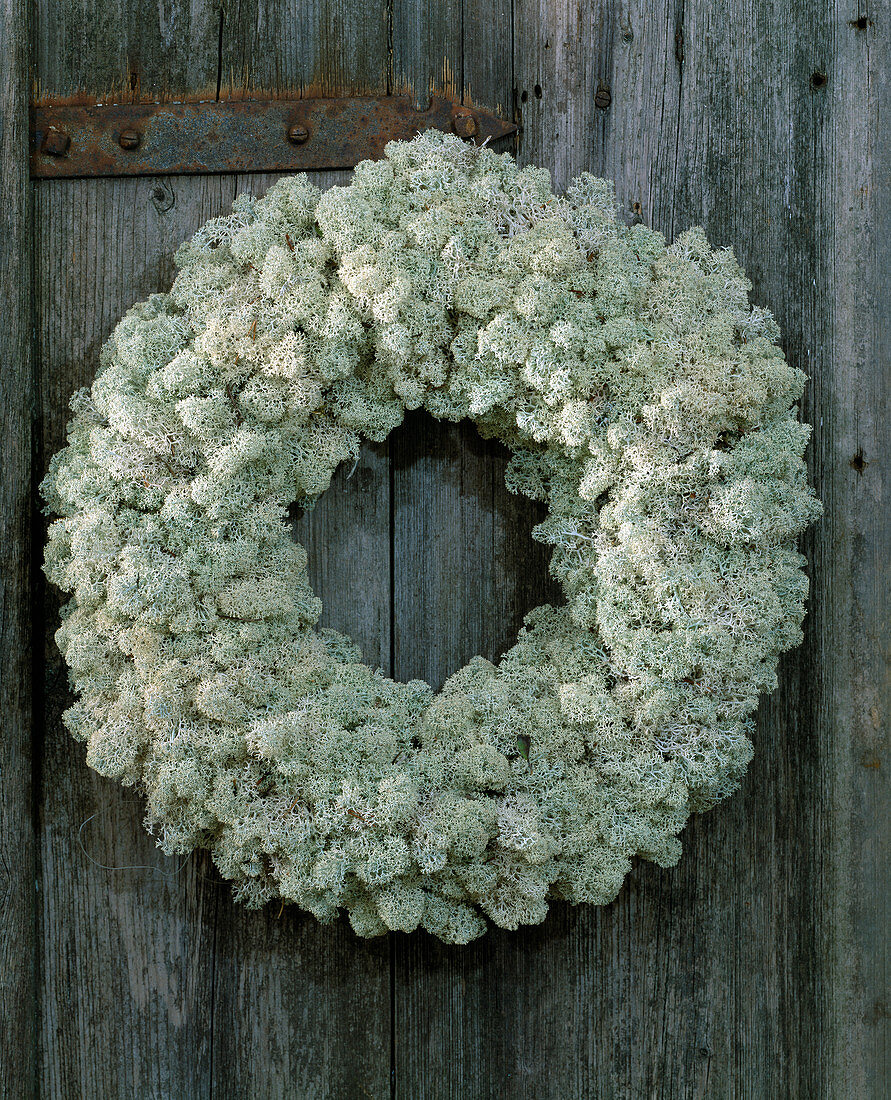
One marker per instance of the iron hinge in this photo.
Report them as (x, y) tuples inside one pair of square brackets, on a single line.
[(246, 135)]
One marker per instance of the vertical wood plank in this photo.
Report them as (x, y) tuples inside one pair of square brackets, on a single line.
[(454, 521), (754, 969), (126, 935), (126, 52), (17, 841), (302, 1009), (465, 572), (428, 48), (738, 973), (848, 341), (319, 47)]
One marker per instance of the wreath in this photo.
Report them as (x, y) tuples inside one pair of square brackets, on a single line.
[(642, 399)]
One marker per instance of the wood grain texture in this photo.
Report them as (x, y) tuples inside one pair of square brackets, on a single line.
[(18, 1065), (454, 596), (302, 1009), (849, 347), (751, 957), (126, 935), (755, 969), (126, 52), (319, 47), (465, 573)]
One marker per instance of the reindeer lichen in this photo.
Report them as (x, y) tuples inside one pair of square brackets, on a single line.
[(643, 399)]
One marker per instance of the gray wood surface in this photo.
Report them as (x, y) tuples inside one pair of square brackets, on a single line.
[(301, 1009), (18, 848), (126, 937), (755, 969)]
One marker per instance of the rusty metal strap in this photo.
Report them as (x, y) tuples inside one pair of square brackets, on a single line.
[(274, 135)]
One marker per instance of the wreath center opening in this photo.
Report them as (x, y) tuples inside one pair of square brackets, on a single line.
[(421, 554)]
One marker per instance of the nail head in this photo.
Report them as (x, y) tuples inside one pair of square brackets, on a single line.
[(464, 124), (55, 142)]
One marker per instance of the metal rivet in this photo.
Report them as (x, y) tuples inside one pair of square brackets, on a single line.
[(297, 135), (603, 98), (56, 142), (464, 124), (129, 139)]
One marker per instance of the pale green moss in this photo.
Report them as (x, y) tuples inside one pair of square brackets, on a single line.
[(644, 400)]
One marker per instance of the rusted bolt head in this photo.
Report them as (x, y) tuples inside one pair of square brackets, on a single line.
[(298, 134), (55, 142), (129, 139), (603, 98), (464, 123)]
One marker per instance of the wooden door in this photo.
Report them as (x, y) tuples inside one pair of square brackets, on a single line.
[(754, 969)]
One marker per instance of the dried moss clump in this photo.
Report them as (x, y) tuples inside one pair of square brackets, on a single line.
[(643, 399)]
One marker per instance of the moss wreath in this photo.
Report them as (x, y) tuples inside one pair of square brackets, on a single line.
[(642, 398)]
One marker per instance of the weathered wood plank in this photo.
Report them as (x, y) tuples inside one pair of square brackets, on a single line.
[(465, 573), (17, 841), (428, 48), (456, 592), (847, 340), (301, 1009), (127, 52), (744, 979), (322, 47), (126, 935), (459, 539), (755, 969)]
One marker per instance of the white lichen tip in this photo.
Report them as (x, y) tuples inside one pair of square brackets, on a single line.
[(643, 399)]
